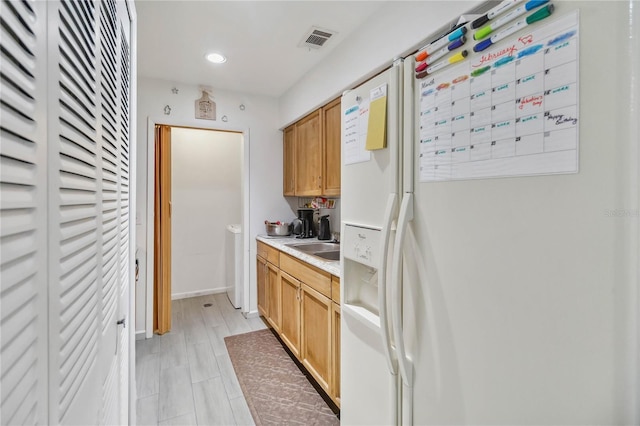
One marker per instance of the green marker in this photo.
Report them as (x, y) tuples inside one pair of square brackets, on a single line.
[(534, 17), (488, 29)]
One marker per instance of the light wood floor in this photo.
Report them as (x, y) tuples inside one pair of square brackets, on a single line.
[(185, 376)]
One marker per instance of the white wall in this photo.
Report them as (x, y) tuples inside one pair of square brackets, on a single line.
[(259, 120), (206, 195), (392, 30)]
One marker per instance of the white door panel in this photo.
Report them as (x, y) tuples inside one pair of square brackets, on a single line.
[(64, 210), (23, 213)]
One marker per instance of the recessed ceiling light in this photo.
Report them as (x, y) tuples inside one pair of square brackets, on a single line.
[(216, 58)]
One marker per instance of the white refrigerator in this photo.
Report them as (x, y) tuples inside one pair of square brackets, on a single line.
[(503, 291)]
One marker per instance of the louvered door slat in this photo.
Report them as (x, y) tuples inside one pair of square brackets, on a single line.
[(109, 398), (72, 36), (75, 211), (23, 287)]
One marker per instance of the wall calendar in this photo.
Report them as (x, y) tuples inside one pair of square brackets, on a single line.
[(508, 111)]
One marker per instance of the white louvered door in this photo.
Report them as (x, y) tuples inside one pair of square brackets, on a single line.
[(65, 75), (109, 130), (75, 228), (124, 202), (23, 213)]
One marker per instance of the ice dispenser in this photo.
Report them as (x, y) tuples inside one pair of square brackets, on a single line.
[(361, 259)]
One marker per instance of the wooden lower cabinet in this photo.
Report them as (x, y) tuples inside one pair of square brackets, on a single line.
[(301, 303), (273, 295), (335, 354), (315, 325), (290, 305), (261, 269)]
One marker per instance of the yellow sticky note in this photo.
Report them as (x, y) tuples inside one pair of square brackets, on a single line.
[(377, 126)]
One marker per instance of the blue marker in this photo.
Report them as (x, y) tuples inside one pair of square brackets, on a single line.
[(441, 42), (440, 53), (534, 17), (488, 29)]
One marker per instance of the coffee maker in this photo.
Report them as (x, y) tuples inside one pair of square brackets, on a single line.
[(307, 227)]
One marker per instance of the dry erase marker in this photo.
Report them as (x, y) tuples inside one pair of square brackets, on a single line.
[(488, 29), (492, 13), (441, 42), (452, 60), (440, 53), (534, 17)]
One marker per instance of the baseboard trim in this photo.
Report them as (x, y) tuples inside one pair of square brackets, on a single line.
[(141, 335), (252, 314), (188, 294)]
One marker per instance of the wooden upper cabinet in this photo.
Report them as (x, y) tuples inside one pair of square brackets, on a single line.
[(289, 161), (311, 149), (308, 164), (332, 135)]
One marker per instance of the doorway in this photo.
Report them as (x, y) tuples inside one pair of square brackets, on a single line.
[(199, 191)]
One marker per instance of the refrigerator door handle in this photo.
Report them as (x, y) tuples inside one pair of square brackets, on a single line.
[(392, 203), (405, 216)]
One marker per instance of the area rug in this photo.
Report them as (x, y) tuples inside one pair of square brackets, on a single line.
[(276, 391)]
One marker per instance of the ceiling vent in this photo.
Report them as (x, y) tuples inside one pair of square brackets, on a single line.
[(316, 37)]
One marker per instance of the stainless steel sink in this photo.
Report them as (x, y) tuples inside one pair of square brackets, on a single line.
[(328, 255), (313, 248)]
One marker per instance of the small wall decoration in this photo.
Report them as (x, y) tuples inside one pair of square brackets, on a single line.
[(205, 107)]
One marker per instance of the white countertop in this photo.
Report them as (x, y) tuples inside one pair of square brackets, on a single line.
[(330, 266)]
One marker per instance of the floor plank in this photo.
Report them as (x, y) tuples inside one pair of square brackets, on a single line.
[(216, 338), (187, 419), (176, 396), (202, 362), (147, 410), (229, 377), (212, 405), (147, 375), (241, 412), (173, 350)]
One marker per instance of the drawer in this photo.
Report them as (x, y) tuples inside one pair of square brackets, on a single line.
[(268, 253), (335, 289), (313, 277)]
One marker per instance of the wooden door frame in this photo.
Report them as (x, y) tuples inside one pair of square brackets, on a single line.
[(150, 217)]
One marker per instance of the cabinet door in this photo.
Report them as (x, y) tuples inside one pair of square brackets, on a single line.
[(308, 165), (289, 161), (316, 335), (335, 353), (290, 303), (261, 269), (273, 295), (332, 132)]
